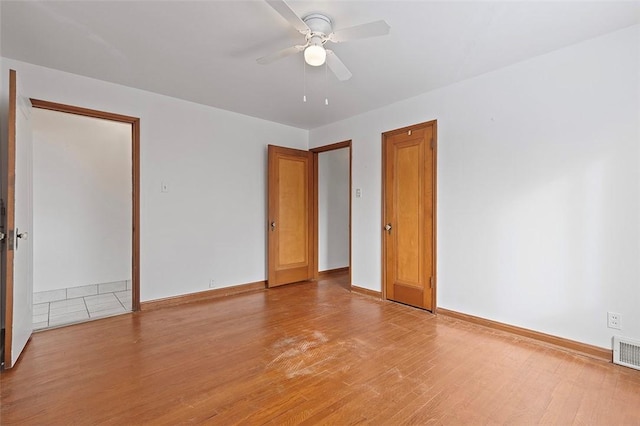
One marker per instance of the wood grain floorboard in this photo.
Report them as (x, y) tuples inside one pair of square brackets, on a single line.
[(310, 353)]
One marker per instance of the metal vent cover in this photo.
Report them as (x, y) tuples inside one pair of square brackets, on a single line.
[(626, 352)]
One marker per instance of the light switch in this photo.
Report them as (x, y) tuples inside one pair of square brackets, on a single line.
[(164, 187), (358, 193)]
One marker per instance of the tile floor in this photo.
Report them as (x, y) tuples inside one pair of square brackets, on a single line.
[(68, 311)]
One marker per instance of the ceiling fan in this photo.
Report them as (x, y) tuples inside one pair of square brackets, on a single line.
[(317, 30)]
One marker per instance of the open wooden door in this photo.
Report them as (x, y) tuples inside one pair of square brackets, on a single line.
[(409, 215), (290, 205), (17, 250)]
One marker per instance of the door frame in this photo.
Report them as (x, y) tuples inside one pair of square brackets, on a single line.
[(135, 171), (434, 147), (314, 219)]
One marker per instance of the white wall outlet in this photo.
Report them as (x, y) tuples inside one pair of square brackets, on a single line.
[(614, 320), (358, 192), (164, 187), (212, 283)]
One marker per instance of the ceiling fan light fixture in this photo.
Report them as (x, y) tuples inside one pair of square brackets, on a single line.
[(317, 29), (315, 54)]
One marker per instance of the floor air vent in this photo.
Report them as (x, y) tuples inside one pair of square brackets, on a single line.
[(626, 352)]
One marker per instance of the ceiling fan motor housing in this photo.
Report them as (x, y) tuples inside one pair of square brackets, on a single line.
[(320, 25)]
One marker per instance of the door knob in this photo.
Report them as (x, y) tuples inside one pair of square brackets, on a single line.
[(387, 227), (21, 235), (273, 226)]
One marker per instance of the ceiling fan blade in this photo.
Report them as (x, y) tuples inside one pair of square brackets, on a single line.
[(337, 66), (287, 13), (280, 54), (372, 29)]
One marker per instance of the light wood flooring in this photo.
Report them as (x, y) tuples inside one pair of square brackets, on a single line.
[(310, 353)]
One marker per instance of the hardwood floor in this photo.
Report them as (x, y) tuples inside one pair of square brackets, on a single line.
[(306, 354)]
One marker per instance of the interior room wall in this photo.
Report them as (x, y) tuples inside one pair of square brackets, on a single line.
[(333, 209), (211, 224), (82, 191), (538, 190)]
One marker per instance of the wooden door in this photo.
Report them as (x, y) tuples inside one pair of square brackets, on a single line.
[(408, 217), (17, 252), (289, 228)]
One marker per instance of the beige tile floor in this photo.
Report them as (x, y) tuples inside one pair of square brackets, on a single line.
[(69, 311)]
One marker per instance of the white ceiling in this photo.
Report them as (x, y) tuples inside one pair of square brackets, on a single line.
[(205, 51)]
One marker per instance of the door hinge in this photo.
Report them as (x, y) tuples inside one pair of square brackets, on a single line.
[(431, 282), (432, 143), (10, 238)]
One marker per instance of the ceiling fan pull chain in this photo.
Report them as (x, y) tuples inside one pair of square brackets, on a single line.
[(326, 84), (304, 80)]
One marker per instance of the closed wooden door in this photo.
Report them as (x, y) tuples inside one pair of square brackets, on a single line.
[(289, 226), (17, 250), (409, 202)]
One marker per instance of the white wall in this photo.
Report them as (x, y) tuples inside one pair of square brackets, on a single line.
[(82, 190), (538, 189), (212, 222), (333, 209)]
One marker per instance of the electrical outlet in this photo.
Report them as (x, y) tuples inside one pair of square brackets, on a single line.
[(212, 283), (614, 320)]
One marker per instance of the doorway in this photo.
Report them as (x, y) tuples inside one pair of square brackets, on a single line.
[(409, 215), (85, 206), (332, 210)]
